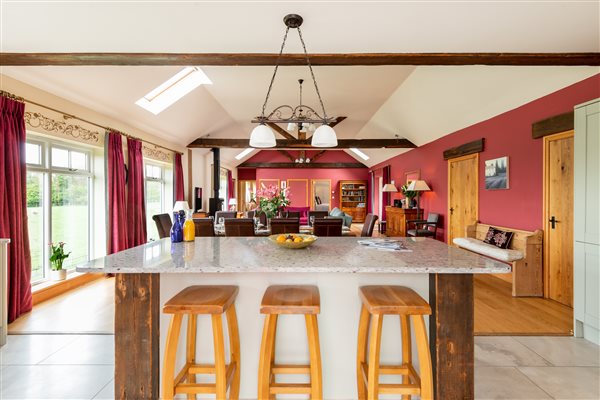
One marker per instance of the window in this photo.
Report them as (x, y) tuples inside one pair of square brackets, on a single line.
[(59, 182), (155, 196), (223, 187)]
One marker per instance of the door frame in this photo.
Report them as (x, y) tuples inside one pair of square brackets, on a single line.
[(312, 191), (457, 159), (546, 197), (301, 180)]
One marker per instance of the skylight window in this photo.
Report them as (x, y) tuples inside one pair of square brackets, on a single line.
[(173, 89), (244, 153), (359, 153)]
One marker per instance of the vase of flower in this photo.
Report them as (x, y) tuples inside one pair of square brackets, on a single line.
[(57, 257), (409, 195), (271, 200)]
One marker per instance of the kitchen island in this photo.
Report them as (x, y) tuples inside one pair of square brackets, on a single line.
[(148, 275)]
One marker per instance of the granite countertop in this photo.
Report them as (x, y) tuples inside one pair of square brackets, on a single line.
[(258, 254)]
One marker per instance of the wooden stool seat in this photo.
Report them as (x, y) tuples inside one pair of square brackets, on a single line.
[(288, 299), (192, 301), (279, 300), (378, 301), (202, 300), (393, 300)]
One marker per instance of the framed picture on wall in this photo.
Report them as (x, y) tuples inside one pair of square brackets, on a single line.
[(496, 173), (412, 176)]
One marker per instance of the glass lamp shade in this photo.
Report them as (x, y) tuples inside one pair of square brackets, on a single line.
[(262, 136), (324, 136)]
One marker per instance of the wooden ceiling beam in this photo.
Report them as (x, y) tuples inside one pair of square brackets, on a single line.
[(287, 154), (269, 59), (316, 156), (305, 144), (281, 131), (300, 165)]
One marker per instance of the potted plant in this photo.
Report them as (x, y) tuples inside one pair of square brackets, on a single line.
[(271, 201), (408, 194), (57, 257)]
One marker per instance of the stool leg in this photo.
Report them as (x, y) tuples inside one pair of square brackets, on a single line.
[(361, 355), (234, 346), (316, 384), (272, 362), (406, 349), (374, 347), (191, 349), (425, 370), (168, 378), (220, 368), (264, 366)]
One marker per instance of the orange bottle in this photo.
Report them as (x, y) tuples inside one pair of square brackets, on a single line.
[(189, 229)]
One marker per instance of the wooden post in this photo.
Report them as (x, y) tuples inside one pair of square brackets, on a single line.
[(137, 335), (451, 336)]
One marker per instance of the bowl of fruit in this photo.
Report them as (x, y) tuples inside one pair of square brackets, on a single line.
[(293, 240)]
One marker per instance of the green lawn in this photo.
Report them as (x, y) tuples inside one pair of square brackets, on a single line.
[(69, 225)]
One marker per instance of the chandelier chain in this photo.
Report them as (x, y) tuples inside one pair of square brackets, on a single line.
[(275, 73), (312, 74)]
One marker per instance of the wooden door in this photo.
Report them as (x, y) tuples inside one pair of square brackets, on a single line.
[(463, 194), (298, 192), (558, 217)]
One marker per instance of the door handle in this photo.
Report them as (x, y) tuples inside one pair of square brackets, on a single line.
[(553, 221), (451, 210)]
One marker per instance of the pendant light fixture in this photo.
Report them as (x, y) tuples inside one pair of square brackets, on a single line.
[(262, 136)]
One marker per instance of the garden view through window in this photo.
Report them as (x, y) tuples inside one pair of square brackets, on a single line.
[(58, 203)]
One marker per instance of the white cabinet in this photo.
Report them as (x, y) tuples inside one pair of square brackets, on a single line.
[(3, 291), (586, 307)]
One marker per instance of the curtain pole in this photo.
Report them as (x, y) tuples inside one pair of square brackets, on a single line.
[(67, 115)]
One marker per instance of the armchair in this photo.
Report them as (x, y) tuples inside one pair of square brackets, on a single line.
[(427, 228)]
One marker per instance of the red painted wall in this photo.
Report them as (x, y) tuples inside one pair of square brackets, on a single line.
[(335, 174), (507, 134)]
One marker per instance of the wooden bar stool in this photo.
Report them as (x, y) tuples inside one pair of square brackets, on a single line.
[(214, 301), (378, 301), (289, 300)]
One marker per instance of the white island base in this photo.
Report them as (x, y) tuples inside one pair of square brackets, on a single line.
[(338, 326)]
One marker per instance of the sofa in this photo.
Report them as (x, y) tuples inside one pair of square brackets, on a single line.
[(337, 213)]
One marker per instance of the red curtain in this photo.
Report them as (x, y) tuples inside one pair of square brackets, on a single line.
[(136, 205), (370, 189), (116, 201), (178, 170), (13, 206), (230, 188)]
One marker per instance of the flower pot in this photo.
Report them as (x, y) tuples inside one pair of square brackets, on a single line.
[(58, 274)]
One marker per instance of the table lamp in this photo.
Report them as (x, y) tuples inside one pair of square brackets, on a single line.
[(232, 204), (181, 205), (418, 186)]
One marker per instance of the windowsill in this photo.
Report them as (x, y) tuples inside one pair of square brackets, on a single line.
[(50, 289)]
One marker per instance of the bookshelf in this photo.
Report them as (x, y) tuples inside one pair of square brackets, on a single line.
[(353, 199)]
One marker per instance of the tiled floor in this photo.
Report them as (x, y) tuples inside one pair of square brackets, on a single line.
[(81, 367)]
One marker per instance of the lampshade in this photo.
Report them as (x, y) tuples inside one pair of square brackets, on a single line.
[(291, 127), (389, 187), (181, 205), (418, 186), (232, 202), (262, 136), (324, 136)]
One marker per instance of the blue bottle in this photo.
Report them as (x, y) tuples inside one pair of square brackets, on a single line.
[(177, 228)]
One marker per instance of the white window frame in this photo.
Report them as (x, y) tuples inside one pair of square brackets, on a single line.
[(47, 170), (162, 180)]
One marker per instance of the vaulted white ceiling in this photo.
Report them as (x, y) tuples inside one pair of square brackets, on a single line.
[(421, 104)]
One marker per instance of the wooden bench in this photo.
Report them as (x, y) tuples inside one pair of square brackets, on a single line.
[(527, 271)]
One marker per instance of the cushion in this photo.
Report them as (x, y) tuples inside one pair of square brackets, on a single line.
[(498, 237), (336, 212), (478, 246)]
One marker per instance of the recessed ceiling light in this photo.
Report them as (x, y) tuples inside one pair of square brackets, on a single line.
[(359, 153), (244, 153), (173, 89)]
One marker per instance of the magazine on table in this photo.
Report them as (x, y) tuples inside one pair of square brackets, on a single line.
[(385, 244)]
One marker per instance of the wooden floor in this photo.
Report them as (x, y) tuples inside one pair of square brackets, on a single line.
[(498, 313), (87, 309)]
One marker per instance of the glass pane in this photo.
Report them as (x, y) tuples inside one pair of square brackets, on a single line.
[(70, 221), (153, 206), (35, 223), (60, 158), (79, 160), (33, 153)]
